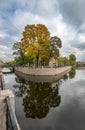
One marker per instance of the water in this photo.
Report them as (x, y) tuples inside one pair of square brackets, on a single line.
[(50, 106), (5, 70)]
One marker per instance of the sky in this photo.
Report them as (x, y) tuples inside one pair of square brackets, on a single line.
[(63, 18)]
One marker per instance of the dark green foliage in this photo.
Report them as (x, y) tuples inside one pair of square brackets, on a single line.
[(72, 59), (56, 43), (19, 53)]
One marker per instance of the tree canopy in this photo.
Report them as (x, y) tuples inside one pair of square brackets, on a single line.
[(72, 59), (19, 53), (56, 43), (37, 45)]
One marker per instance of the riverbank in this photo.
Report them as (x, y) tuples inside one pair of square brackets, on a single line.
[(7, 107), (42, 74)]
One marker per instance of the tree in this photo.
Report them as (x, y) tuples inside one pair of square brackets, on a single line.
[(36, 40), (66, 61), (19, 53), (63, 61), (60, 61), (36, 46), (10, 63), (72, 59), (56, 43)]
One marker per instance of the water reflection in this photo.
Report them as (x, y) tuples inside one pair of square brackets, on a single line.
[(21, 87), (65, 77), (39, 98), (72, 73)]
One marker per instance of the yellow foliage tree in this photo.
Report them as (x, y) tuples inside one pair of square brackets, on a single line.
[(36, 42)]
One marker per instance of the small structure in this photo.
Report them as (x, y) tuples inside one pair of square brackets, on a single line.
[(53, 62)]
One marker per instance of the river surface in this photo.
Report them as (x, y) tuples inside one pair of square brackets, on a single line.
[(50, 106)]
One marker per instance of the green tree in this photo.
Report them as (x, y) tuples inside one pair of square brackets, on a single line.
[(60, 61), (72, 59), (19, 53), (56, 43), (66, 61), (63, 61)]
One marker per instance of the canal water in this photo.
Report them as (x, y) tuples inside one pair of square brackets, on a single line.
[(50, 106)]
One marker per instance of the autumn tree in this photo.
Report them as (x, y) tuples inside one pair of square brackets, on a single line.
[(36, 42), (36, 46)]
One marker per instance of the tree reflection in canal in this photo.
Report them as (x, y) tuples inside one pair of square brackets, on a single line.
[(72, 73), (21, 87), (39, 98)]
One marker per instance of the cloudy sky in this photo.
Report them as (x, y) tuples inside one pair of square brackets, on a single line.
[(63, 18)]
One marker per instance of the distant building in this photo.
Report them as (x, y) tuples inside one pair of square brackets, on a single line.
[(80, 64), (1, 63)]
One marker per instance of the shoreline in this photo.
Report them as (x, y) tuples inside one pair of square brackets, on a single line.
[(42, 75)]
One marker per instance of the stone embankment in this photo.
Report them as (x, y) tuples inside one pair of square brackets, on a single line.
[(3, 105), (42, 74)]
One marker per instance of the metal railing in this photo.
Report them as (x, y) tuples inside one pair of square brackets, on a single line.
[(11, 122)]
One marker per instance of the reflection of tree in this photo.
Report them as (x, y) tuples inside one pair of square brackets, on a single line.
[(72, 73), (21, 86), (38, 98), (65, 77)]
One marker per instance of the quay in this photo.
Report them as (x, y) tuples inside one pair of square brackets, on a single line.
[(42, 74), (8, 120)]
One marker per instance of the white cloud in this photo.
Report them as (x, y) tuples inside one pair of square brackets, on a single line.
[(48, 6), (21, 19), (2, 34), (5, 53), (18, 13), (81, 37), (56, 26), (60, 28), (3, 48)]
